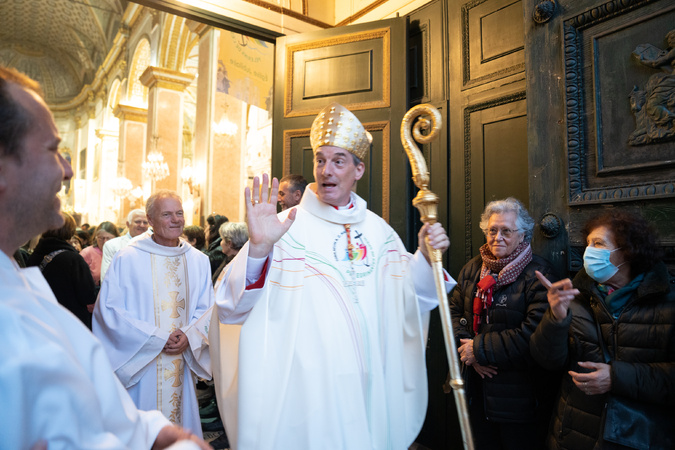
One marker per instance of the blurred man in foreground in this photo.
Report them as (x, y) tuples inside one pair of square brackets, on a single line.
[(56, 385)]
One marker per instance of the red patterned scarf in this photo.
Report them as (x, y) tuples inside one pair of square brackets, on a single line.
[(496, 273)]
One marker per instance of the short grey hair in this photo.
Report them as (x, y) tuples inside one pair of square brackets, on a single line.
[(524, 222), (152, 200), (235, 233), (135, 212)]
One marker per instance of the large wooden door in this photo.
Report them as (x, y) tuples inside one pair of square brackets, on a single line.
[(467, 59), (548, 102), (362, 68), (601, 130)]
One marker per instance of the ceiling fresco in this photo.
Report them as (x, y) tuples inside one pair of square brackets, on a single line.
[(60, 43)]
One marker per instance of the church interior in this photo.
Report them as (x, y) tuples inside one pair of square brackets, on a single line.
[(540, 99)]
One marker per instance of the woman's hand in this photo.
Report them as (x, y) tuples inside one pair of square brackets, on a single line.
[(264, 227), (466, 352), (593, 383), (484, 371), (560, 294)]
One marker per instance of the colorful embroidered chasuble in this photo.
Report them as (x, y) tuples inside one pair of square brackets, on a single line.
[(331, 350)]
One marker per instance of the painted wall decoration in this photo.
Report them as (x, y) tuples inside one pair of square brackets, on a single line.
[(245, 68)]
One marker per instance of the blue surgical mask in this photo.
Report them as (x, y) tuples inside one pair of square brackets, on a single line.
[(597, 264)]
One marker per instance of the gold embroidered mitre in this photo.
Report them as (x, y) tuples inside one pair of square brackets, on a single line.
[(338, 127)]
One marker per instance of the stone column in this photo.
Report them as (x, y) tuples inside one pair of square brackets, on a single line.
[(165, 120), (107, 171), (133, 124), (202, 160)]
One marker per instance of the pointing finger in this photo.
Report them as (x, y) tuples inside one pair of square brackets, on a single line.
[(544, 281)]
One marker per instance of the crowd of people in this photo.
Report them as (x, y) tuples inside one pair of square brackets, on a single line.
[(312, 321)]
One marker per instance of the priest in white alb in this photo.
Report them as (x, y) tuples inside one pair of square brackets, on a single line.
[(137, 224), (324, 313), (153, 313)]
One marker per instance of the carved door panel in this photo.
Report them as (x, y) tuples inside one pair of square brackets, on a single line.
[(601, 110), (362, 68), (467, 58), (488, 115)]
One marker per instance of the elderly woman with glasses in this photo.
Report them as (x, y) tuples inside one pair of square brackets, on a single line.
[(612, 329), (496, 306)]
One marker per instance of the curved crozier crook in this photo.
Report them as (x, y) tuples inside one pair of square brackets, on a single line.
[(429, 122)]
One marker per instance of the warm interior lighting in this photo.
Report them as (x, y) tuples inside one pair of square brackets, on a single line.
[(155, 167), (225, 127), (121, 186), (188, 176)]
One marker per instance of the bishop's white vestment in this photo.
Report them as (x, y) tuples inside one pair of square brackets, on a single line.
[(330, 350), (56, 383), (150, 291)]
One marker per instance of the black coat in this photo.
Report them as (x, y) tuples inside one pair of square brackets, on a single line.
[(641, 347), (216, 255), (521, 391), (68, 275)]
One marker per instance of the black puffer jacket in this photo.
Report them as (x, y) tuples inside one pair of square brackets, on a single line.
[(519, 391), (641, 347), (68, 275)]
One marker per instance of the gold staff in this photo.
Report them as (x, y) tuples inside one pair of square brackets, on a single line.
[(426, 202)]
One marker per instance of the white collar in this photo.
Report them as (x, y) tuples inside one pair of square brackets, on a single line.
[(310, 202), (144, 242)]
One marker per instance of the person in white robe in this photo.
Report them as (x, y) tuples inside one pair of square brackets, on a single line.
[(324, 314), (57, 389), (137, 224), (153, 313)]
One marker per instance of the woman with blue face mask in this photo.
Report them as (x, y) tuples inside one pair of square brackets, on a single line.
[(613, 329)]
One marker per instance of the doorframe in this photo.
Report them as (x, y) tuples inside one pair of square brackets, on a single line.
[(215, 20)]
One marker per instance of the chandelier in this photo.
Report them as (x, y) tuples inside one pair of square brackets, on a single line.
[(155, 167), (121, 186)]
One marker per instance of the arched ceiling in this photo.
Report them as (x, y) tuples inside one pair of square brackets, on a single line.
[(60, 43)]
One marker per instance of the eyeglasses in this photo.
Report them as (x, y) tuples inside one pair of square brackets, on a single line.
[(506, 232)]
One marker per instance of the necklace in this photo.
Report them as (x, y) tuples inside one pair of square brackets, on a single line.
[(351, 284)]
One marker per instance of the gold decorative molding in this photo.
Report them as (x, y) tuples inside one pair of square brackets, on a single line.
[(165, 78), (383, 126), (361, 13), (104, 134), (199, 28), (131, 113), (274, 7), (288, 136), (383, 34)]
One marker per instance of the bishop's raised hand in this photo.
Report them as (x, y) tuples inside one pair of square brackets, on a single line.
[(264, 227)]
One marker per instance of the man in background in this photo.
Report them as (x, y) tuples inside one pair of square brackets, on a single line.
[(57, 387), (137, 224), (291, 188)]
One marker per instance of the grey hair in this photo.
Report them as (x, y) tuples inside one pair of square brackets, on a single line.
[(162, 193), (524, 222), (131, 215), (234, 232)]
